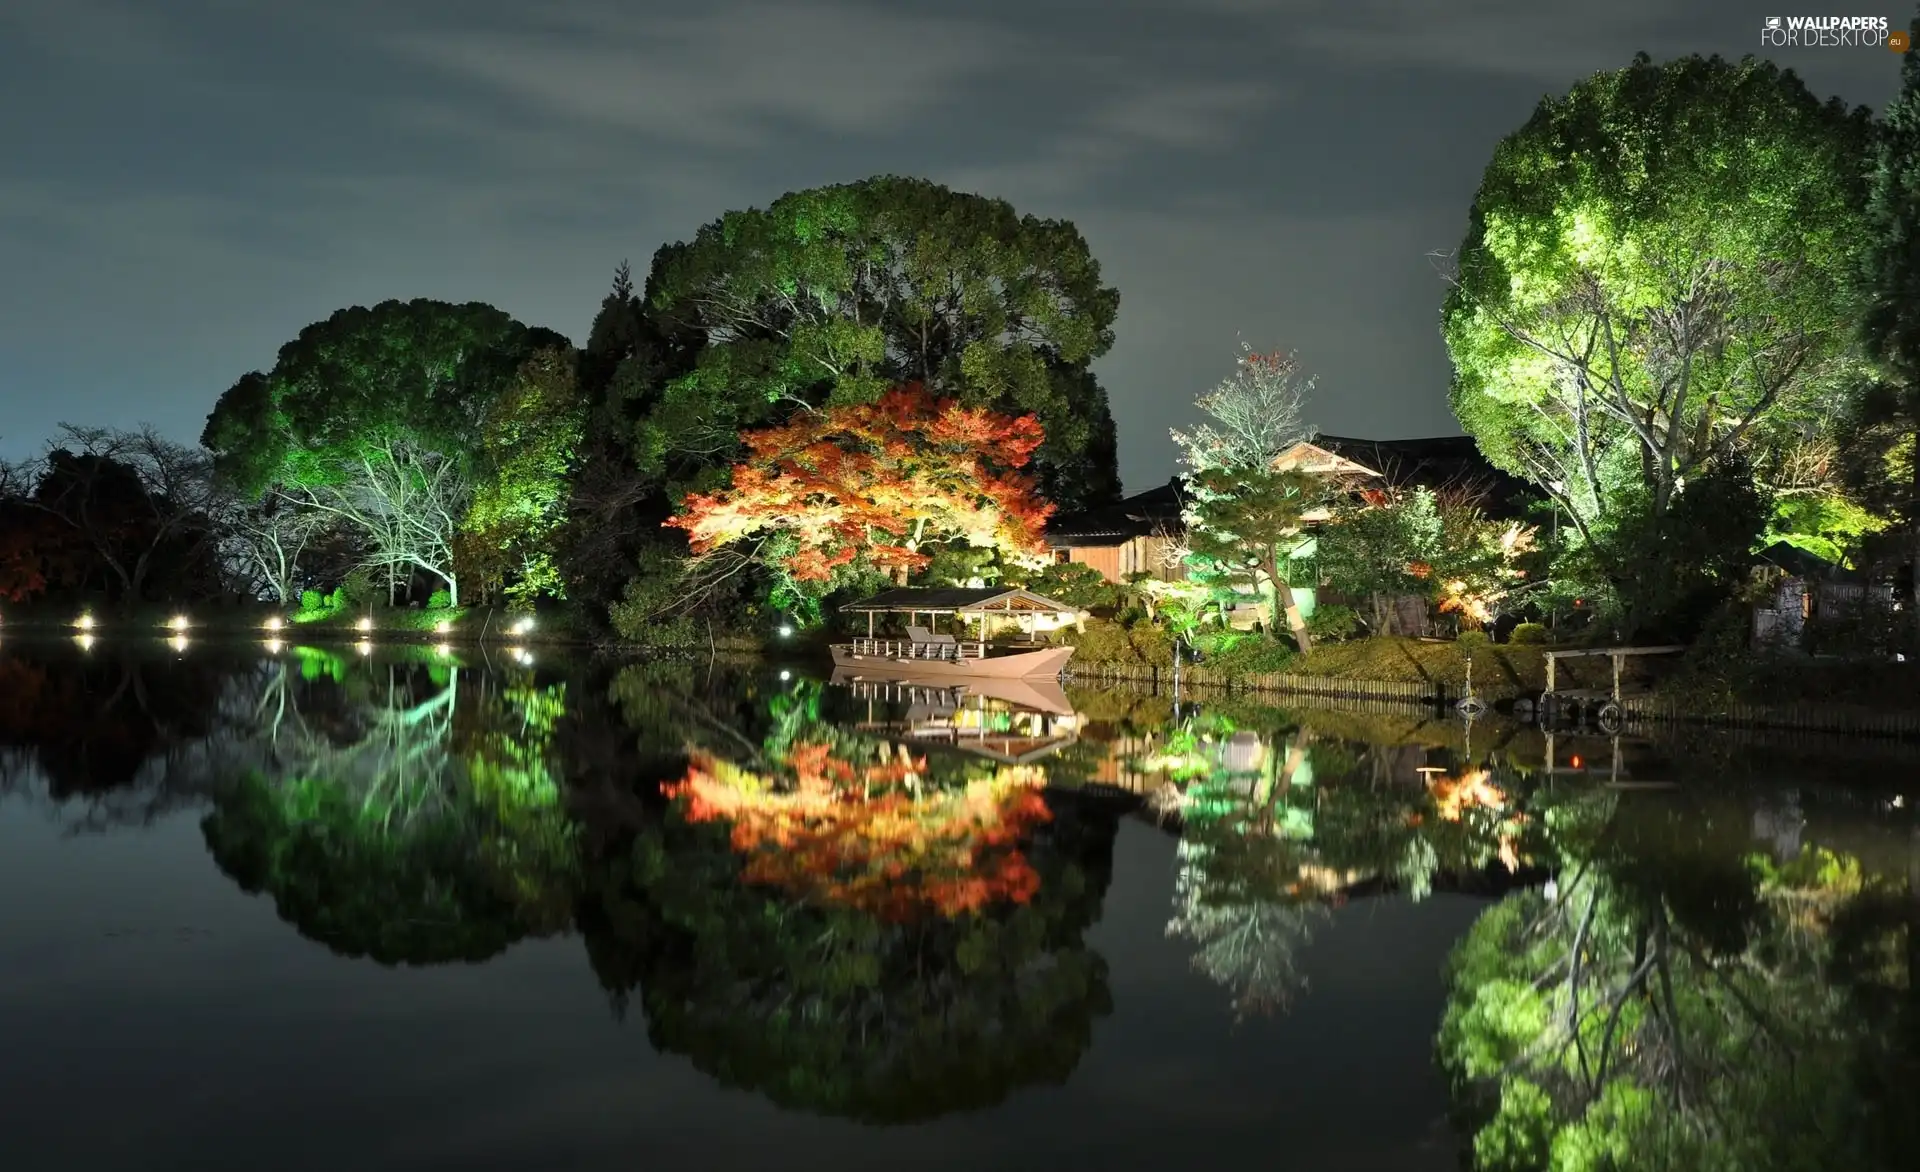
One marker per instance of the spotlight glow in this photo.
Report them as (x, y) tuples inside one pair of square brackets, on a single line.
[(786, 632), (179, 622), (85, 641), (443, 650), (524, 626), (274, 623), (178, 642), (443, 627), (365, 647), (365, 624), (786, 675), (275, 646), (84, 622), (521, 656)]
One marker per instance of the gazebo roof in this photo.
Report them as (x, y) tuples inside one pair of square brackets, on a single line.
[(959, 601)]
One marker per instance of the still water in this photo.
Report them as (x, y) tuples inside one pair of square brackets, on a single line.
[(323, 909)]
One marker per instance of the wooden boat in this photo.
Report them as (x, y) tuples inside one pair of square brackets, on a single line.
[(927, 655)]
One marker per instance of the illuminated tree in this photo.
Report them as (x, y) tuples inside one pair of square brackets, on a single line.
[(1247, 524), (1656, 280), (1255, 414), (529, 440), (372, 417), (835, 294), (878, 483), (1885, 427)]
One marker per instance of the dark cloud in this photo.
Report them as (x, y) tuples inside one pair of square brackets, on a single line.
[(194, 182)]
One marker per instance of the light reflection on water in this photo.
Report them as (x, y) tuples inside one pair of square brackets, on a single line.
[(1110, 927)]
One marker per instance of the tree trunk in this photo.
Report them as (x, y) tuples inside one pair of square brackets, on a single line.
[(1284, 607), (453, 588)]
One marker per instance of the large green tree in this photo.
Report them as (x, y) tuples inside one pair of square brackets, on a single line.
[(1886, 449), (1657, 277), (372, 417), (832, 295)]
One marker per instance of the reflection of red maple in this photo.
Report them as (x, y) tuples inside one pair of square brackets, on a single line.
[(861, 837), (880, 479), (1472, 790)]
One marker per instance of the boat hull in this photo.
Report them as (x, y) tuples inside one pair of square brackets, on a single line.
[(1021, 665), (1032, 693)]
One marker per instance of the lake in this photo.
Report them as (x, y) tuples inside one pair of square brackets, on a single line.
[(301, 907)]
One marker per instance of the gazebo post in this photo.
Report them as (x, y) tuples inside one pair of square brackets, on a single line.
[(869, 624)]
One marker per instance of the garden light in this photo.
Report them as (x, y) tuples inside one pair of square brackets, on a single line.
[(786, 675), (442, 627), (365, 624), (85, 641), (786, 632), (523, 627), (84, 622), (275, 646), (443, 650), (273, 624), (179, 622), (178, 642)]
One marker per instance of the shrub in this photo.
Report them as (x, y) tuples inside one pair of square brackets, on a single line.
[(1251, 654), (1529, 633), (312, 600), (357, 589), (1472, 641), (1101, 642), (439, 600), (1333, 624)]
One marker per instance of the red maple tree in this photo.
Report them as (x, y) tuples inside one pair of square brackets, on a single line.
[(881, 480), (869, 837)]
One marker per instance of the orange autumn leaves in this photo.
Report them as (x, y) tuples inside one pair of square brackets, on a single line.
[(862, 837), (1456, 797), (882, 480)]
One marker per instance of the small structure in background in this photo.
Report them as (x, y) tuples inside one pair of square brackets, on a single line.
[(1808, 595)]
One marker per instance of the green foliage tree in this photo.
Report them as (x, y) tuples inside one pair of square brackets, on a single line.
[(529, 441), (372, 416), (1376, 553), (1885, 419), (1657, 277), (834, 294), (1246, 524)]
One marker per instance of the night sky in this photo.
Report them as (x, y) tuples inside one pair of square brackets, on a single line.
[(184, 186)]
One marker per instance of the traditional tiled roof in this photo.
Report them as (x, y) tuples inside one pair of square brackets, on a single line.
[(1136, 516)]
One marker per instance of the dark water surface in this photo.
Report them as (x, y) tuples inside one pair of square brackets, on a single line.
[(325, 909)]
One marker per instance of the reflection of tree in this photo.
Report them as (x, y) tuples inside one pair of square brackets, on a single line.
[(1250, 889), (115, 740), (1672, 1002), (1273, 833), (870, 835), (400, 819), (880, 964)]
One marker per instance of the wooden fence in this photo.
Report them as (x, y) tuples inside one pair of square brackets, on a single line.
[(1423, 692), (1817, 720)]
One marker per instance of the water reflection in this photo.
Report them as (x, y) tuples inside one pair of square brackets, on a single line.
[(397, 816), (874, 901)]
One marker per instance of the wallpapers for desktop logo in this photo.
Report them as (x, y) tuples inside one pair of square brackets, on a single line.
[(1833, 32)]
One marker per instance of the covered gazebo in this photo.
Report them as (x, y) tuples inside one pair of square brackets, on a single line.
[(1031, 613)]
